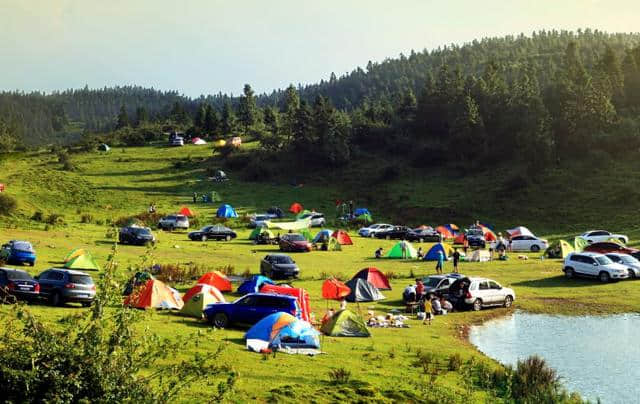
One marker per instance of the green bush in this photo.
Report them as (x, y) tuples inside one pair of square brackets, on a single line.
[(455, 361), (54, 219), (86, 218), (339, 376), (38, 216), (533, 381), (8, 204)]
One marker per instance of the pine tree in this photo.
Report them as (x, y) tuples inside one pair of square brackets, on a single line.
[(123, 118), (228, 124), (247, 108), (291, 106), (199, 120), (141, 116), (211, 121)]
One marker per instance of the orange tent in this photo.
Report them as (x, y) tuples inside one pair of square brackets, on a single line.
[(187, 212), (295, 208), (342, 237), (459, 239), (375, 277), (445, 232), (216, 279), (300, 294), (488, 234), (334, 289), (204, 288), (154, 294)]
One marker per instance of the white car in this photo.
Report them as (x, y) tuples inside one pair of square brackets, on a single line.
[(370, 231), (593, 265), (317, 219), (596, 236), (259, 220), (481, 292), (632, 264), (528, 243)]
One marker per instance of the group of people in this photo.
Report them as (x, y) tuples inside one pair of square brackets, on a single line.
[(417, 294), (420, 255)]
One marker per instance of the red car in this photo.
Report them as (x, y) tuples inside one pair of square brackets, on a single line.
[(606, 247), (294, 242)]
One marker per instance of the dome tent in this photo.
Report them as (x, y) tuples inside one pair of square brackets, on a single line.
[(363, 291), (154, 294), (375, 277), (432, 254), (334, 289), (345, 323), (396, 250), (281, 330), (342, 237), (226, 211), (196, 304), (216, 279), (254, 284), (559, 249), (295, 208)]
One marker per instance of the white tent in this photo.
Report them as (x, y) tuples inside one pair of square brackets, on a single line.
[(519, 231), (198, 141)]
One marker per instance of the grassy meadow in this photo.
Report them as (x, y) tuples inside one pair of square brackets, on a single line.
[(123, 182)]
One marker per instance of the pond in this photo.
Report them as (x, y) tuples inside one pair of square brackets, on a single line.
[(597, 356)]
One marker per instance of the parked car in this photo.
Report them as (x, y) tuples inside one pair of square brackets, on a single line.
[(64, 285), (136, 235), (172, 222), (213, 232), (250, 309), (632, 264), (475, 237), (611, 247), (595, 236), (477, 293), (439, 284), (259, 220), (279, 266), (594, 265), (317, 219), (294, 242), (176, 141), (396, 232), (528, 243), (17, 252), (19, 284), (420, 235), (370, 231)]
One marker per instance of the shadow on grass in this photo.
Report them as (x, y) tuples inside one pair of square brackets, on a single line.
[(557, 282)]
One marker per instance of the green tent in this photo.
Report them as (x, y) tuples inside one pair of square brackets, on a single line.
[(345, 323), (366, 218), (304, 212), (84, 261), (334, 245), (559, 249), (396, 251), (74, 253), (307, 234), (579, 244), (195, 306), (255, 233)]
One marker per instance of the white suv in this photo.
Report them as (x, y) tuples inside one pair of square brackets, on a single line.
[(593, 265), (371, 231), (317, 219), (481, 292), (596, 236), (172, 222)]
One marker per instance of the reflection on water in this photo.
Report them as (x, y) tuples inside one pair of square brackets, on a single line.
[(597, 356)]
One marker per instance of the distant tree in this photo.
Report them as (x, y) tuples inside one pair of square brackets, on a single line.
[(141, 116), (199, 120), (247, 108), (228, 124), (211, 121), (178, 114), (123, 118), (291, 106)]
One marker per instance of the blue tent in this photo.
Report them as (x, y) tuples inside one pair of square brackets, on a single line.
[(432, 254), (253, 285), (322, 234), (226, 211), (282, 329), (362, 211)]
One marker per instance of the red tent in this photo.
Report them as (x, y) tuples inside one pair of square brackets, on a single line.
[(1, 187), (295, 208), (375, 277), (342, 237), (488, 234), (187, 212), (459, 239), (298, 293), (334, 289), (216, 279), (204, 288), (445, 232)]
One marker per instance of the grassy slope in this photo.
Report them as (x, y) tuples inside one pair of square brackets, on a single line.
[(123, 182)]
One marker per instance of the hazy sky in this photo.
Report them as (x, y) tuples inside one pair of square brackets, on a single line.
[(205, 46)]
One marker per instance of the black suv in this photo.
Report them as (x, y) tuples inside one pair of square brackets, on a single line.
[(475, 237), (136, 235), (64, 285)]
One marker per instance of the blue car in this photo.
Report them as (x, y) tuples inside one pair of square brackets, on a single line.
[(250, 309), (18, 252)]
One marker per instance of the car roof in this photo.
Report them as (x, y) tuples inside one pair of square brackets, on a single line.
[(586, 253), (277, 255), (478, 279), (13, 269), (271, 295), (69, 271)]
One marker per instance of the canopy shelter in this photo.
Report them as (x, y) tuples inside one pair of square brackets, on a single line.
[(294, 226), (216, 279), (254, 284), (519, 231), (333, 289), (226, 211), (154, 295), (282, 330), (345, 323), (375, 277), (300, 294), (396, 250), (432, 254), (186, 212), (84, 261), (295, 208), (559, 249), (342, 237), (363, 291)]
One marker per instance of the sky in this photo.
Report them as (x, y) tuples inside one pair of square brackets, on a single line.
[(207, 46)]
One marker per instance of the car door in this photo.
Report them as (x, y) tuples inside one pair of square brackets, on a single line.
[(244, 310), (483, 292), (268, 305), (590, 267), (517, 243), (45, 284), (495, 291)]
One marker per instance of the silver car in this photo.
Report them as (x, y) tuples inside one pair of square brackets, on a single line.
[(172, 222)]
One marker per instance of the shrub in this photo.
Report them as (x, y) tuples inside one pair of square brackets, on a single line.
[(86, 218), (516, 182), (194, 222), (177, 273), (455, 361), (534, 381), (339, 376), (55, 219), (38, 216), (8, 204)]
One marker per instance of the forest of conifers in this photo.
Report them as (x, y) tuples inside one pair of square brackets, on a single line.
[(534, 98)]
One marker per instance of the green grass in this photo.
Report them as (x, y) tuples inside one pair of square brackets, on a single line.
[(124, 181)]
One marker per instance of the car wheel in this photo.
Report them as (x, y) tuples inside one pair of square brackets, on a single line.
[(477, 305), (203, 238), (388, 237), (220, 320), (604, 277), (632, 274), (568, 273), (372, 235), (508, 301), (420, 240), (55, 299), (228, 238), (535, 248)]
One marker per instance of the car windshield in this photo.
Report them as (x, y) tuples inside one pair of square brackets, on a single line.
[(142, 230), (432, 282), (260, 218), (17, 275), (474, 232), (22, 246), (81, 279), (282, 260), (603, 260), (296, 237), (181, 218), (627, 259), (206, 228)]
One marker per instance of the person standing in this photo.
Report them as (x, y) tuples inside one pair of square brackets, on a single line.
[(440, 262), (456, 259), (403, 247), (195, 197)]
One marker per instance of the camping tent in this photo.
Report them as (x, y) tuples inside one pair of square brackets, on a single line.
[(137, 280), (216, 279), (396, 250), (220, 143), (579, 244), (295, 208), (334, 289), (84, 261), (488, 234), (186, 211), (300, 294), (479, 256), (104, 147), (198, 141), (283, 330), (203, 288), (226, 210), (306, 234), (254, 284), (345, 323), (342, 237), (519, 231), (559, 249), (459, 239), (445, 232), (259, 230), (366, 218), (324, 234), (363, 291), (334, 245), (76, 252), (432, 254), (304, 212), (154, 294), (375, 277), (362, 211), (197, 303), (452, 228)]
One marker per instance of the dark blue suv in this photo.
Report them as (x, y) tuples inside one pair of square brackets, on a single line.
[(64, 285), (17, 284), (250, 309), (18, 252)]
